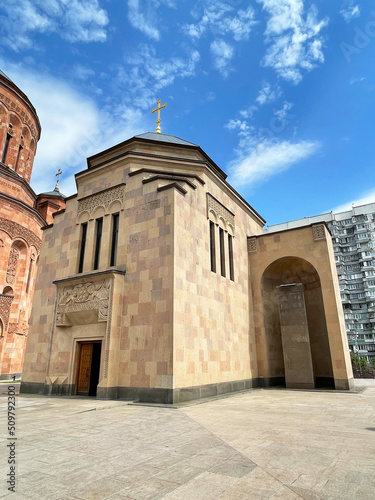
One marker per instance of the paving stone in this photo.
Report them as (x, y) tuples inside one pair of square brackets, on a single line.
[(266, 444)]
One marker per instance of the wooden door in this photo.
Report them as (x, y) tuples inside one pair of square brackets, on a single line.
[(84, 370)]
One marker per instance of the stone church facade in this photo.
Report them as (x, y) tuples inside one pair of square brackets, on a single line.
[(157, 283), (22, 214)]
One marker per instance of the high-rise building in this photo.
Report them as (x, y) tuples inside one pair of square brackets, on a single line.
[(353, 236)]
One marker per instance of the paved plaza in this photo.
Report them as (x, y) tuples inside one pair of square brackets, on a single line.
[(264, 444)]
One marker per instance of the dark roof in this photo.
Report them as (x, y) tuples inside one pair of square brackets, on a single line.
[(4, 75), (153, 136), (55, 193)]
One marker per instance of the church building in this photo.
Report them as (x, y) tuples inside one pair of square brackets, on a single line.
[(157, 283), (22, 214)]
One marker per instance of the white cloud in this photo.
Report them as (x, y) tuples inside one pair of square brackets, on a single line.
[(282, 113), (82, 72), (357, 80), (268, 158), (350, 11), (73, 20), (248, 112), (75, 128), (143, 18), (268, 94), (222, 53), (368, 197), (296, 40), (240, 125), (215, 18), (145, 74), (142, 15)]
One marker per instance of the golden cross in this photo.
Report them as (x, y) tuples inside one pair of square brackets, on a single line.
[(58, 178), (158, 129)]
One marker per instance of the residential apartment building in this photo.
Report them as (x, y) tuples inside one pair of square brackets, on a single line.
[(353, 236)]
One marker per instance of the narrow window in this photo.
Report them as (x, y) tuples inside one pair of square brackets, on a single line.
[(83, 245), (231, 265), (98, 242), (29, 275), (6, 147), (212, 247), (222, 252), (115, 220), (18, 157)]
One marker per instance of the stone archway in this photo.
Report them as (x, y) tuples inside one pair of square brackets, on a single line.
[(301, 334)]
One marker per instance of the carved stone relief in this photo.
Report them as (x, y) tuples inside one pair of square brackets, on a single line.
[(14, 230), (252, 244), (219, 210), (93, 295), (104, 198), (12, 265), (318, 232), (5, 304)]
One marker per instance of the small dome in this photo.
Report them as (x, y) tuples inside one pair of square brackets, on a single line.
[(153, 136), (55, 193)]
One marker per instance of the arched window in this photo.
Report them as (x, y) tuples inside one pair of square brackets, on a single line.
[(31, 267), (20, 148), (7, 140)]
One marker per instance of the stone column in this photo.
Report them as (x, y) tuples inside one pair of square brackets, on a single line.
[(295, 337)]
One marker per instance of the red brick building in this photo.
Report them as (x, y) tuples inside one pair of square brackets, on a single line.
[(22, 215)]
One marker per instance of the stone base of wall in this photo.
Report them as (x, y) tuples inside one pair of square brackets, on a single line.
[(271, 381), (31, 388), (146, 395), (184, 394), (179, 395), (344, 384)]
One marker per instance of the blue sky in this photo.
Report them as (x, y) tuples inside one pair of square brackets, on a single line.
[(279, 93)]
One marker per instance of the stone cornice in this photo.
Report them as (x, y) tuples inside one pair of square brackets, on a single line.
[(25, 207), (12, 176)]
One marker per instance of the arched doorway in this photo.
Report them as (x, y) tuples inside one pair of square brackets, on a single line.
[(298, 333)]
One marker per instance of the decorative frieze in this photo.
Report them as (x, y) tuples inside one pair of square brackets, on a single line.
[(16, 230), (219, 210), (319, 232), (13, 106), (104, 199), (92, 295)]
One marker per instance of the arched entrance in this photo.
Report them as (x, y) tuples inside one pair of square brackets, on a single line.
[(297, 345)]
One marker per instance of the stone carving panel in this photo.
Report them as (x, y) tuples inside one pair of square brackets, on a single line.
[(92, 295), (12, 265), (252, 244), (299, 372), (14, 230), (318, 232), (104, 198), (220, 210), (5, 304)]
